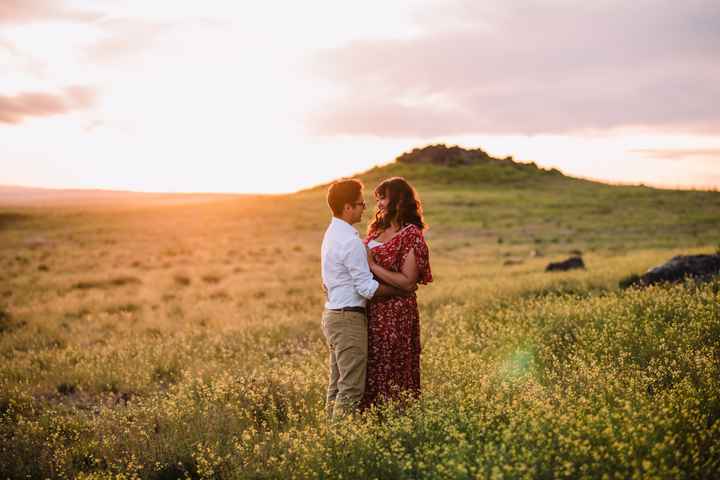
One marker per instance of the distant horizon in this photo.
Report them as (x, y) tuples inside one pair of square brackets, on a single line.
[(711, 188)]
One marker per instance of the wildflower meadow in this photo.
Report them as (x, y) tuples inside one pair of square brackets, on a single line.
[(142, 339)]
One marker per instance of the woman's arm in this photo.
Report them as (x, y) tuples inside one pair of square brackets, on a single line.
[(405, 279)]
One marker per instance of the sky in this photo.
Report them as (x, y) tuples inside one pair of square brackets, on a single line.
[(274, 96)]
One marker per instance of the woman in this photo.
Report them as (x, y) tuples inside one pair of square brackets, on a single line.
[(398, 255)]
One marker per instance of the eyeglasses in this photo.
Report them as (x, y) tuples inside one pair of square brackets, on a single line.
[(355, 204)]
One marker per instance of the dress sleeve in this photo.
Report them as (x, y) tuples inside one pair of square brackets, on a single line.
[(414, 241)]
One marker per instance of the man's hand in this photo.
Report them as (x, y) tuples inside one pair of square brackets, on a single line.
[(411, 291), (407, 292), (385, 290)]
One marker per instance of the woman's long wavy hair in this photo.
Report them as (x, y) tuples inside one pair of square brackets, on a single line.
[(404, 206)]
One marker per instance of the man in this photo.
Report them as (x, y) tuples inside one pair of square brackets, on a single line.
[(348, 285)]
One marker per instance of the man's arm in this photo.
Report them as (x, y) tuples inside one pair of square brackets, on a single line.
[(356, 261)]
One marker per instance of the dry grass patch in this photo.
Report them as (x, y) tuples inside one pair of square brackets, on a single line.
[(112, 282), (124, 308), (212, 278)]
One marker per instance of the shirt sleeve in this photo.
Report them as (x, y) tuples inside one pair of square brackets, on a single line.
[(357, 264)]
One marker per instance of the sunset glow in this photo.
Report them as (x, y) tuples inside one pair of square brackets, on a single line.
[(271, 97)]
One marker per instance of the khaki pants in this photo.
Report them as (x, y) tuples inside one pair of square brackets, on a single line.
[(346, 334)]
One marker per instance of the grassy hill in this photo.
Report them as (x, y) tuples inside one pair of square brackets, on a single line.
[(522, 204), (169, 339)]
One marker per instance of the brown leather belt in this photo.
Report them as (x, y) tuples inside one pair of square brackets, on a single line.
[(348, 309)]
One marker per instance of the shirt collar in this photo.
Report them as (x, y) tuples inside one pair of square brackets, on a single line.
[(343, 226)]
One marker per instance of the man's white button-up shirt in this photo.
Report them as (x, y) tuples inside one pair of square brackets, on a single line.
[(345, 271)]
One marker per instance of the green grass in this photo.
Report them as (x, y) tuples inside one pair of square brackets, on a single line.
[(163, 341)]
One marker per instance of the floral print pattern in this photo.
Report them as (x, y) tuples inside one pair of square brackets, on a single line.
[(393, 367)]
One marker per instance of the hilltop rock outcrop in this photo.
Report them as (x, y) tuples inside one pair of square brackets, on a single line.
[(700, 267), (441, 154)]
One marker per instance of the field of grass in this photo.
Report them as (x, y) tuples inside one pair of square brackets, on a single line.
[(169, 340)]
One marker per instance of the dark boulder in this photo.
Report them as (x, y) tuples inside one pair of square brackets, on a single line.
[(571, 263), (700, 267)]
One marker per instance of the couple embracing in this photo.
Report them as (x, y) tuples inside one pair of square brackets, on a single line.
[(371, 319)]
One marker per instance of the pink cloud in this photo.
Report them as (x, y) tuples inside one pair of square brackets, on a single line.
[(128, 36), (28, 11), (14, 109), (124, 36), (531, 67), (679, 153)]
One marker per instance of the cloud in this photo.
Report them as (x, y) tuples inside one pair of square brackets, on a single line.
[(126, 36), (15, 109), (28, 11), (18, 61), (529, 68), (678, 153)]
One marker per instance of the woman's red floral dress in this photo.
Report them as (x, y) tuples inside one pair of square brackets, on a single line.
[(393, 366)]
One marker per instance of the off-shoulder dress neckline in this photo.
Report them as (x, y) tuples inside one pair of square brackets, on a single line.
[(397, 234)]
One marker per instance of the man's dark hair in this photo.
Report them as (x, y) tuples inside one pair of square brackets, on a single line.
[(341, 193)]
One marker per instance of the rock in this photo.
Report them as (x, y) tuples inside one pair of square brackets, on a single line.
[(701, 267), (569, 264), (441, 154)]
